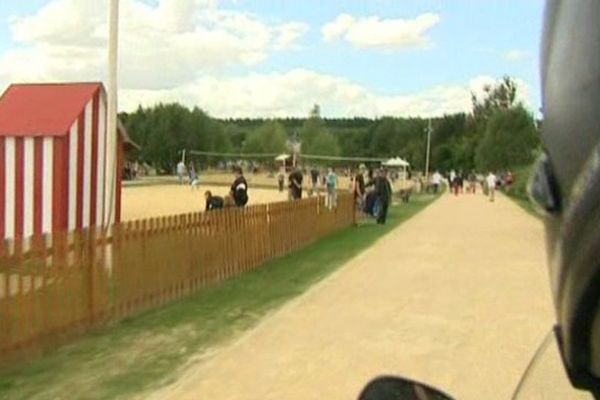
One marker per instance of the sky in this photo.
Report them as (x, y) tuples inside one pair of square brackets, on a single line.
[(275, 58)]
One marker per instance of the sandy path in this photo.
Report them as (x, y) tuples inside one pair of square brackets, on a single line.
[(162, 200), (457, 297)]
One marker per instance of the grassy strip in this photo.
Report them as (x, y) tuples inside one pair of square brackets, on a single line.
[(525, 204), (144, 353), (518, 192)]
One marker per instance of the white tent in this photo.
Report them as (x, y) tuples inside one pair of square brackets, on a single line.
[(396, 162), (282, 157), (401, 166)]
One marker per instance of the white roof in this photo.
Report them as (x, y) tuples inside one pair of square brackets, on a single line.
[(396, 162)]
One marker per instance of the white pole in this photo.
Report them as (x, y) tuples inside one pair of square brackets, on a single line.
[(428, 150), (112, 109)]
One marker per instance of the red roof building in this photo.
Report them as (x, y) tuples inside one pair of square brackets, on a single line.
[(53, 174)]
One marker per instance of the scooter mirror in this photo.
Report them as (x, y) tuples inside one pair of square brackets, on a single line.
[(396, 388)]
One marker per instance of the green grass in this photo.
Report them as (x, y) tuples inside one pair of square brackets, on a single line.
[(518, 191), (525, 204), (146, 352)]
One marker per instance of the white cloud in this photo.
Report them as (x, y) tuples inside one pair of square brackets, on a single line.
[(516, 55), (289, 34), (162, 45), (383, 34), (294, 92), (177, 50)]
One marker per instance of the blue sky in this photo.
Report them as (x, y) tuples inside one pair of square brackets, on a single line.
[(470, 40)]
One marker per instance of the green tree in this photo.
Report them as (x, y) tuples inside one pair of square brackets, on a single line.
[(164, 130), (316, 138), (270, 137), (501, 96), (510, 140)]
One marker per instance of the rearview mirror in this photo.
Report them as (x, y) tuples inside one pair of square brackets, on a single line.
[(395, 388)]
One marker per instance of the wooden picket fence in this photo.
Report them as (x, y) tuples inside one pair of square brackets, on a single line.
[(57, 286)]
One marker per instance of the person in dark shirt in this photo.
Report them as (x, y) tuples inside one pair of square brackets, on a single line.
[(239, 188), (383, 190), (359, 183), (314, 175), (281, 180), (213, 202), (295, 184), (370, 178)]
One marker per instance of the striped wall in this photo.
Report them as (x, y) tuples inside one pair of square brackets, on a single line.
[(55, 183)]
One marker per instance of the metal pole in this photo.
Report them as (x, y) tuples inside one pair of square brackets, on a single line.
[(428, 150), (112, 109)]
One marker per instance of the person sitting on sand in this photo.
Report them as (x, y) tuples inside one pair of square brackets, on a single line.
[(213, 202)]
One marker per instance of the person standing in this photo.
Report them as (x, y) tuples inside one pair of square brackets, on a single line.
[(491, 185), (181, 170), (331, 182), (281, 179), (239, 188), (314, 177), (360, 187), (295, 184), (383, 190)]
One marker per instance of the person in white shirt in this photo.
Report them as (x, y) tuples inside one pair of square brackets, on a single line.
[(436, 180), (181, 171), (451, 178), (491, 184)]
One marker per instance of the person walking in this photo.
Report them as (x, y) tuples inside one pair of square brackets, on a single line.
[(456, 184), (383, 191), (508, 181), (436, 180), (194, 180), (473, 182), (359, 184), (239, 188), (331, 182), (491, 185), (451, 180)]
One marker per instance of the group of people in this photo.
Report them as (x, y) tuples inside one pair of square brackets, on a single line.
[(373, 194), (237, 196), (328, 180), (372, 190), (190, 171), (459, 182)]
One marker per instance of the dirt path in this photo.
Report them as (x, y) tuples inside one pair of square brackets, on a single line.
[(458, 297)]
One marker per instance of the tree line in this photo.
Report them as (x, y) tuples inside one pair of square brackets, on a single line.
[(498, 133)]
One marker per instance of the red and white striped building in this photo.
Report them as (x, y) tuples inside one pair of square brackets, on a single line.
[(53, 174)]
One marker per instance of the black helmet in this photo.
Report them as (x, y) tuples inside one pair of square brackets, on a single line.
[(566, 183)]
